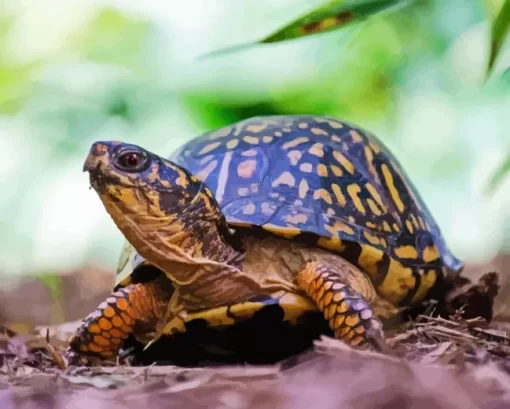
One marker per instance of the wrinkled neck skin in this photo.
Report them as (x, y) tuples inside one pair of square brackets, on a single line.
[(177, 242)]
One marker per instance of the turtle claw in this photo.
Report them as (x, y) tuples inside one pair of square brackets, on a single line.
[(375, 339)]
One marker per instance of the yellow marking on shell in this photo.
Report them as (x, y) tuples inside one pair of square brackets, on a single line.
[(373, 207), (243, 191), (247, 168), (266, 209), (356, 137), (336, 138), (430, 253), (338, 227), (306, 167), (303, 188), (377, 197), (331, 243), (232, 143), (374, 147), (294, 306), (252, 140), (422, 223), (278, 134), (318, 131), (336, 170), (340, 198), (220, 133), (398, 282), (294, 157), (205, 159), (287, 232), (409, 226), (386, 226), (205, 172), (303, 125), (256, 128), (250, 152), (297, 218), (415, 222), (388, 177), (176, 325), (371, 238), (370, 162), (249, 209), (323, 194), (353, 190), (407, 251), (317, 149), (267, 139), (428, 279), (209, 147), (295, 142), (346, 163), (395, 227), (335, 124), (322, 170), (286, 178), (368, 258), (370, 225)]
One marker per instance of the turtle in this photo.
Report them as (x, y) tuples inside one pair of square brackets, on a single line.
[(308, 213)]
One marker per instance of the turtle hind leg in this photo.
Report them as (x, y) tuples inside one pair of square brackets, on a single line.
[(348, 313), (132, 308)]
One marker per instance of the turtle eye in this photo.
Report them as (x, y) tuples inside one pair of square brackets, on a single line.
[(131, 161)]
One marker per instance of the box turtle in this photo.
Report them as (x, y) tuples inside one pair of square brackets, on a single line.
[(308, 213)]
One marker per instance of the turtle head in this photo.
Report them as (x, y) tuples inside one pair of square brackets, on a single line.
[(153, 201)]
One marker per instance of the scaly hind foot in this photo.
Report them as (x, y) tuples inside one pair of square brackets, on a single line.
[(349, 315)]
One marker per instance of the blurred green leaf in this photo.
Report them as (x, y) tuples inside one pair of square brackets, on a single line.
[(331, 16), (17, 85), (114, 38), (500, 174), (499, 31)]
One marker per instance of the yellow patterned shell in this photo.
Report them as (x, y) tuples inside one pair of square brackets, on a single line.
[(328, 183)]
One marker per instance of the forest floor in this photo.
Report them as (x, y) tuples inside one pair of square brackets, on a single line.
[(434, 363)]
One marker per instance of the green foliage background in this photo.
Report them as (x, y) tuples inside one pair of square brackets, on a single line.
[(159, 73)]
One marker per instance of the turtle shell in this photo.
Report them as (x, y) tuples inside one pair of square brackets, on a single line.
[(325, 182)]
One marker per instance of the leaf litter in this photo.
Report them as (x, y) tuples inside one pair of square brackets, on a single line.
[(457, 361)]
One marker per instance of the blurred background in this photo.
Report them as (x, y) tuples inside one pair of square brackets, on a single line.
[(76, 71)]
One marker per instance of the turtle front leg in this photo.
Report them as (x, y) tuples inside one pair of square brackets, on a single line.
[(136, 308), (349, 314)]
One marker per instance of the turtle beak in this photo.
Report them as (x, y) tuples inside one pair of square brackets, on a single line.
[(97, 155)]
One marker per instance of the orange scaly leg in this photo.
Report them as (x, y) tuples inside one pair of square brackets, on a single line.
[(134, 308), (349, 315)]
